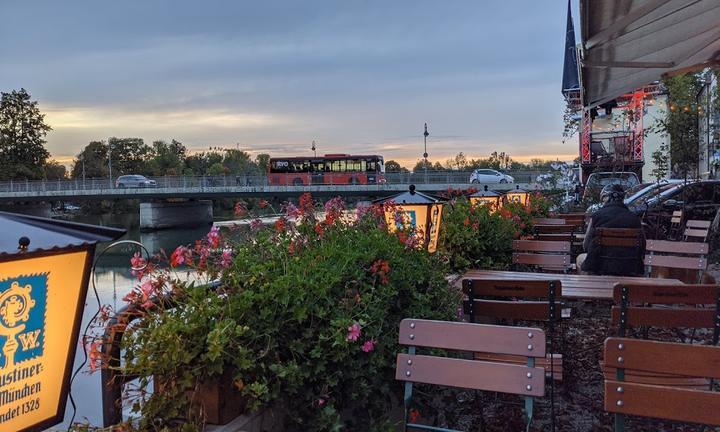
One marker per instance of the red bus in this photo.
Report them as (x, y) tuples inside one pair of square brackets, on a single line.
[(328, 169)]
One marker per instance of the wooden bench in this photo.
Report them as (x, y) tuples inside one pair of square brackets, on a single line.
[(543, 255), (661, 401), (573, 218), (526, 300), (526, 380), (675, 224), (626, 244), (696, 230), (663, 256), (665, 306), (548, 221)]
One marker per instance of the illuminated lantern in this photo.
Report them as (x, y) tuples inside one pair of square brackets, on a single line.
[(517, 195), (44, 271), (415, 210), (486, 197)]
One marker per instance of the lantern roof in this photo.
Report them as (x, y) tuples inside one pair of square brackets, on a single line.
[(517, 190), (49, 234), (410, 197), (485, 193)]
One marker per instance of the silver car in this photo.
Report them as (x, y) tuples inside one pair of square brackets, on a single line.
[(489, 176), (134, 181)]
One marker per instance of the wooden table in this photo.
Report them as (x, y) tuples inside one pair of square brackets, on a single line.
[(574, 286)]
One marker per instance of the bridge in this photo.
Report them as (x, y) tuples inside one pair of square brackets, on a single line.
[(187, 200)]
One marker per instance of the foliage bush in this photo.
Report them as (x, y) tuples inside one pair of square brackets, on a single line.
[(474, 237), (306, 318)]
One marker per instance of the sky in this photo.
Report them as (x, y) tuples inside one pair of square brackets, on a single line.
[(356, 76)]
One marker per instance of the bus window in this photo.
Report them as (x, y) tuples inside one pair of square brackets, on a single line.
[(338, 166), (363, 165), (371, 166)]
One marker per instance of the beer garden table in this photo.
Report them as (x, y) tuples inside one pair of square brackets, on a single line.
[(574, 286)]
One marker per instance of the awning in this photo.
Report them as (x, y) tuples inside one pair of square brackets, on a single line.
[(628, 44)]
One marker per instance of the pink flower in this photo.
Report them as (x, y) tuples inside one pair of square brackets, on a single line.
[(369, 345), (291, 211), (321, 402), (226, 258), (147, 289), (353, 332), (137, 261), (213, 237), (94, 355), (256, 224), (181, 255)]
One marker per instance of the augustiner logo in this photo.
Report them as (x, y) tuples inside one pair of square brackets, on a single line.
[(22, 328)]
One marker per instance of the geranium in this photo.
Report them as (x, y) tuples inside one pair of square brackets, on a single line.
[(413, 415), (213, 237), (321, 402), (333, 209), (319, 230), (369, 345), (263, 203), (94, 355), (291, 211), (240, 209), (353, 332), (137, 261), (256, 224), (381, 268), (280, 225), (226, 258), (306, 204), (181, 255)]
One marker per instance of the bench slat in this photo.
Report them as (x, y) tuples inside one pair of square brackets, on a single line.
[(523, 310), (663, 402), (511, 288), (471, 374), (690, 263), (667, 294), (540, 246), (676, 247), (473, 337), (540, 260), (687, 317), (665, 357), (701, 224), (653, 378), (700, 233), (548, 221)]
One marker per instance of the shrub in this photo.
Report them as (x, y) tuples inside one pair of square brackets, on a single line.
[(307, 317)]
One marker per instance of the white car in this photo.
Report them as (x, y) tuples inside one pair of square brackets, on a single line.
[(489, 176)]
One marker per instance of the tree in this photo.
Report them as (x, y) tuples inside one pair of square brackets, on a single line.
[(168, 159), (393, 166), (238, 161), (94, 160), (54, 170), (262, 161), (459, 162), (129, 155), (661, 160), (22, 137), (420, 166), (217, 169)]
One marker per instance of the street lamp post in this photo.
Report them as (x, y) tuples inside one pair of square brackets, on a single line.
[(313, 148), (425, 153), (110, 148)]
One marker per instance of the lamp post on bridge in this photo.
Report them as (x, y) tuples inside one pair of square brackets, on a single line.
[(425, 153), (313, 148)]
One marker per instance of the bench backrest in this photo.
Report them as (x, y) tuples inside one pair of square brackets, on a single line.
[(676, 217), (548, 221), (676, 255), (573, 218), (472, 374), (661, 401), (635, 305), (697, 230), (550, 255), (532, 300), (555, 229)]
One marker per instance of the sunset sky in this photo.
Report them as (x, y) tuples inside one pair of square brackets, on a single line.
[(356, 76)]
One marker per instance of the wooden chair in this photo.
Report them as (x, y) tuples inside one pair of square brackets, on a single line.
[(573, 218), (555, 232), (548, 221), (681, 260), (696, 230), (626, 244), (526, 380), (675, 224), (527, 300), (543, 255), (661, 401), (665, 306)]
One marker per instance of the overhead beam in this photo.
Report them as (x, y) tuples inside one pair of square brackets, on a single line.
[(629, 64), (637, 13)]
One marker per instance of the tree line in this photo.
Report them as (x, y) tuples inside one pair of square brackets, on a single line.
[(496, 161)]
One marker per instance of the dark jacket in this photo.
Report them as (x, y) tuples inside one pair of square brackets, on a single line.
[(613, 260)]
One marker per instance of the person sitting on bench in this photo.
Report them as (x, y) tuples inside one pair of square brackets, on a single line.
[(612, 260)]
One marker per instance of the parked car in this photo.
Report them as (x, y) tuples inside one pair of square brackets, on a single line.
[(489, 176), (134, 181), (597, 181), (640, 193), (698, 200)]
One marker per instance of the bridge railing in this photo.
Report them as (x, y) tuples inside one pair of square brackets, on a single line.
[(233, 180)]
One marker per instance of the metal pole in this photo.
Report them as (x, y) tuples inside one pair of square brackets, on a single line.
[(313, 148), (83, 172), (425, 153), (110, 163)]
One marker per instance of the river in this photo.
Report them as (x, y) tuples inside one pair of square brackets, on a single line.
[(113, 280)]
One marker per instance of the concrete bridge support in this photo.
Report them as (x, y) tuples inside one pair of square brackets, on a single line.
[(160, 215)]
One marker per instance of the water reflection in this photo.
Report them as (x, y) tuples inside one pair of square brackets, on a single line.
[(113, 280)]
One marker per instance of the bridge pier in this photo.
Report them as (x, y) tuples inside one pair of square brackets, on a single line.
[(160, 215), (42, 209)]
